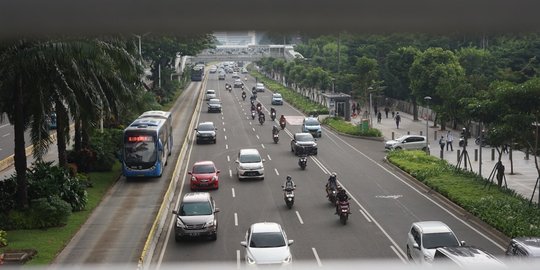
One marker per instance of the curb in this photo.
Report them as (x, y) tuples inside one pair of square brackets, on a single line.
[(159, 221), (496, 234)]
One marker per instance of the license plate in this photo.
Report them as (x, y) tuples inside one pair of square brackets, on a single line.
[(194, 234)]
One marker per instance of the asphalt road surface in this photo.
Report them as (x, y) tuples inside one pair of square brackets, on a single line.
[(384, 201)]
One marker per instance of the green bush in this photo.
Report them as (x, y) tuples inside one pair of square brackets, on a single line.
[(3, 238), (42, 213), (503, 209), (105, 145), (346, 127), (8, 188)]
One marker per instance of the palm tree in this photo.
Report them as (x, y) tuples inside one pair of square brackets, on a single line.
[(76, 75)]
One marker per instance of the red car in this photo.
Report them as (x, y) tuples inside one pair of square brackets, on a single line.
[(204, 175)]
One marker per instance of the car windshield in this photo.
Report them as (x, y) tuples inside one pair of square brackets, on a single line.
[(195, 209), (207, 168), (206, 127), (267, 240), (435, 240), (277, 95), (210, 92), (304, 138), (250, 158), (214, 101), (312, 122)]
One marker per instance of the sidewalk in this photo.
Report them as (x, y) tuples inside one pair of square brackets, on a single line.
[(522, 180)]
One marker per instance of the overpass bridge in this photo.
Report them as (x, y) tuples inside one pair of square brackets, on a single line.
[(247, 53)]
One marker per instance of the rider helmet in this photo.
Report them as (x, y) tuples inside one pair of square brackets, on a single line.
[(289, 177), (334, 174)]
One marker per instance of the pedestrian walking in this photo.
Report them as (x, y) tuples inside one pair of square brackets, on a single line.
[(386, 110), (393, 114), (358, 107), (449, 140), (379, 117), (504, 148), (354, 108), (442, 143), (398, 119), (375, 108)]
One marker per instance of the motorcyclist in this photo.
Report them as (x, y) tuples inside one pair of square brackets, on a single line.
[(273, 112), (282, 121), (244, 95), (259, 106), (332, 183), (275, 130), (289, 184), (227, 86), (253, 107), (261, 116), (342, 197)]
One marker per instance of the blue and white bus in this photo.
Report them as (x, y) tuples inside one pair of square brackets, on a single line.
[(147, 145)]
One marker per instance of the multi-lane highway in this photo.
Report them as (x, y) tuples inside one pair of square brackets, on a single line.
[(384, 201)]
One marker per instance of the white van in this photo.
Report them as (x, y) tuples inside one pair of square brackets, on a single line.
[(249, 164)]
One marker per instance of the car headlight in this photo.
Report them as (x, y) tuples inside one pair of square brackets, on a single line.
[(209, 224), (288, 259), (179, 223), (250, 260), (193, 178)]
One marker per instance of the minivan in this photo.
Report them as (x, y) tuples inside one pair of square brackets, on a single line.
[(249, 164)]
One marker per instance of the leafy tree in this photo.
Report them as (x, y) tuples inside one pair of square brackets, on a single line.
[(479, 66), (437, 73), (367, 72), (398, 64)]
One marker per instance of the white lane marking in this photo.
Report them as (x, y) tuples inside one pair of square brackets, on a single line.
[(299, 217), (226, 146), (262, 145), (421, 194), (316, 256), (223, 123), (253, 129), (235, 219), (225, 137), (4, 125), (223, 129), (257, 137), (250, 125), (230, 173), (275, 169), (325, 171), (222, 118), (269, 158), (399, 255), (228, 158), (233, 194), (368, 219), (237, 259), (5, 135)]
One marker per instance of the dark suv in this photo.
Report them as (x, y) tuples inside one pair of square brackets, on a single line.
[(206, 132), (303, 144)]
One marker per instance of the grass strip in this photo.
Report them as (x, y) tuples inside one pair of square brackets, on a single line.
[(49, 242), (501, 208)]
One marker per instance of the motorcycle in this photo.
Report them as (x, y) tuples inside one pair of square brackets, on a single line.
[(343, 211), (243, 96), (332, 195), (252, 115), (261, 120), (282, 124), (302, 162), (273, 116), (276, 138), (288, 196), (480, 140)]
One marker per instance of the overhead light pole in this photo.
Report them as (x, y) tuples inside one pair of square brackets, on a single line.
[(427, 99)]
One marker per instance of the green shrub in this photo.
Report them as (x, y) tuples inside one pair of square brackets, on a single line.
[(346, 127), (105, 145), (503, 209), (42, 213), (3, 238), (8, 188)]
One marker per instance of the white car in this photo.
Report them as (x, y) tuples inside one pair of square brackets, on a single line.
[(210, 94), (259, 87), (249, 164), (425, 237), (407, 142), (235, 75), (266, 243)]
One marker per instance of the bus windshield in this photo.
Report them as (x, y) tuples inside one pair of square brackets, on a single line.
[(140, 149)]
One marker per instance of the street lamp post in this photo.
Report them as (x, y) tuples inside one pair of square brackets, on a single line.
[(427, 99)]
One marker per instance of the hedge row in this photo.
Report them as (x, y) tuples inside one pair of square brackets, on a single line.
[(348, 128), (501, 208)]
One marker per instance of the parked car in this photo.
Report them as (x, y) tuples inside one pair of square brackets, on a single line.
[(196, 216), (524, 248), (204, 175), (214, 105), (238, 83), (425, 237), (206, 131), (259, 87), (267, 244), (249, 164), (407, 142), (303, 144), (312, 125), (210, 94), (277, 99), (466, 257)]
